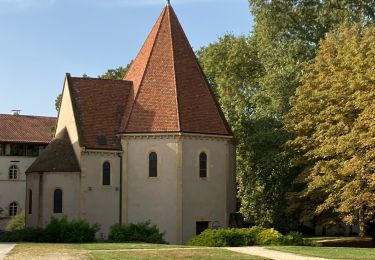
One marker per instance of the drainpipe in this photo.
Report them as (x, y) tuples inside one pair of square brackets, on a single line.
[(121, 177)]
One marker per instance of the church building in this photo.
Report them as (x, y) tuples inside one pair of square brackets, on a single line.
[(153, 146)]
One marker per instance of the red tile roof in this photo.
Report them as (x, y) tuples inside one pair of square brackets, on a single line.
[(59, 156), (26, 129), (171, 93), (98, 106)]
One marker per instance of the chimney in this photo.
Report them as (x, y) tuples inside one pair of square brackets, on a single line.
[(16, 112)]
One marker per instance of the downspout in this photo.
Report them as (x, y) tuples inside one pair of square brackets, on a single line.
[(120, 155)]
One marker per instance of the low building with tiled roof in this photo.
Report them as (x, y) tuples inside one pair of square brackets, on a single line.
[(22, 138), (154, 146)]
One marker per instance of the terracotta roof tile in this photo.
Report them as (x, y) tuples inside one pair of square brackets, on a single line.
[(58, 156), (99, 105), (26, 129), (171, 93)]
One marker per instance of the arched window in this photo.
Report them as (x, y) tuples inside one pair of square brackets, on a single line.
[(13, 209), (153, 165), (106, 174), (13, 172), (57, 201), (203, 165)]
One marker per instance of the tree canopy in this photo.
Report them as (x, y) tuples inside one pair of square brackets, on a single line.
[(333, 120)]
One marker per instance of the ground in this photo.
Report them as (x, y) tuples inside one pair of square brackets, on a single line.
[(120, 251)]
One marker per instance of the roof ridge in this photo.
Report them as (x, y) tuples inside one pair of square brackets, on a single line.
[(32, 116), (174, 69), (117, 80), (147, 64)]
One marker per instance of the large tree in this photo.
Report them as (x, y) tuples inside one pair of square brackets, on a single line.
[(333, 120)]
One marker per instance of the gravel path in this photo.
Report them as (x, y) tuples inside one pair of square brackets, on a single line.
[(271, 254), (5, 249)]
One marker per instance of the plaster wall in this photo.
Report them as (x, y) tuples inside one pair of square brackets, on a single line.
[(44, 189), (66, 119), (13, 190), (148, 198), (209, 199), (100, 204)]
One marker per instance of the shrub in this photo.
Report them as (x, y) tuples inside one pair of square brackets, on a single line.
[(57, 231), (141, 232), (221, 238), (269, 237), (23, 235), (244, 237), (293, 238), (16, 223), (65, 231)]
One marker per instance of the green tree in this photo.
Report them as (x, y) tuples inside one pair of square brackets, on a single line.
[(117, 74), (333, 120)]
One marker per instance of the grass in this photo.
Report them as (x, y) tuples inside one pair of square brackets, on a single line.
[(103, 251), (203, 254), (329, 252)]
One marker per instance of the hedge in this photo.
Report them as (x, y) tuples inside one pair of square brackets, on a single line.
[(234, 237)]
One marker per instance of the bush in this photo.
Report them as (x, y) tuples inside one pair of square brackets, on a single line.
[(269, 237), (57, 231), (293, 238), (23, 235), (16, 223), (141, 232), (64, 231), (244, 237)]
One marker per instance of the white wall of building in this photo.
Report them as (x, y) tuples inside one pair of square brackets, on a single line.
[(13, 190)]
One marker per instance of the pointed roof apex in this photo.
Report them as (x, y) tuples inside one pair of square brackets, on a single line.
[(168, 2), (171, 93)]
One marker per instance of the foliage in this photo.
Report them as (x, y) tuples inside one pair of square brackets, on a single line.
[(234, 69), (333, 120), (141, 232), (244, 237), (65, 231), (118, 73), (57, 231), (16, 223), (287, 34), (23, 235)]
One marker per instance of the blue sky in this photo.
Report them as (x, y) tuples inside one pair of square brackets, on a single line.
[(41, 40)]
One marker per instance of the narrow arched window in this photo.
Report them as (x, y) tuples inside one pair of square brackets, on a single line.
[(153, 165), (13, 209), (57, 201), (13, 172), (106, 174), (203, 165), (30, 201)]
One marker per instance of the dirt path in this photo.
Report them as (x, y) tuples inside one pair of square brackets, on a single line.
[(5, 248), (271, 254)]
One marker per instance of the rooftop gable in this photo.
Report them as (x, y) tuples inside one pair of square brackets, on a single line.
[(98, 106)]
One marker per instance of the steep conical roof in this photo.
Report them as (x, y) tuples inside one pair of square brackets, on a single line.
[(58, 156), (171, 93)]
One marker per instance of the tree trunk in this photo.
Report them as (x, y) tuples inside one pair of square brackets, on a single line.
[(362, 223)]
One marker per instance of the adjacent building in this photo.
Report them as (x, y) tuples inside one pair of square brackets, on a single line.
[(22, 138), (154, 146)]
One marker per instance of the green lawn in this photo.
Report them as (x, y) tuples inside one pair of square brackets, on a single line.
[(329, 252), (102, 251)]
